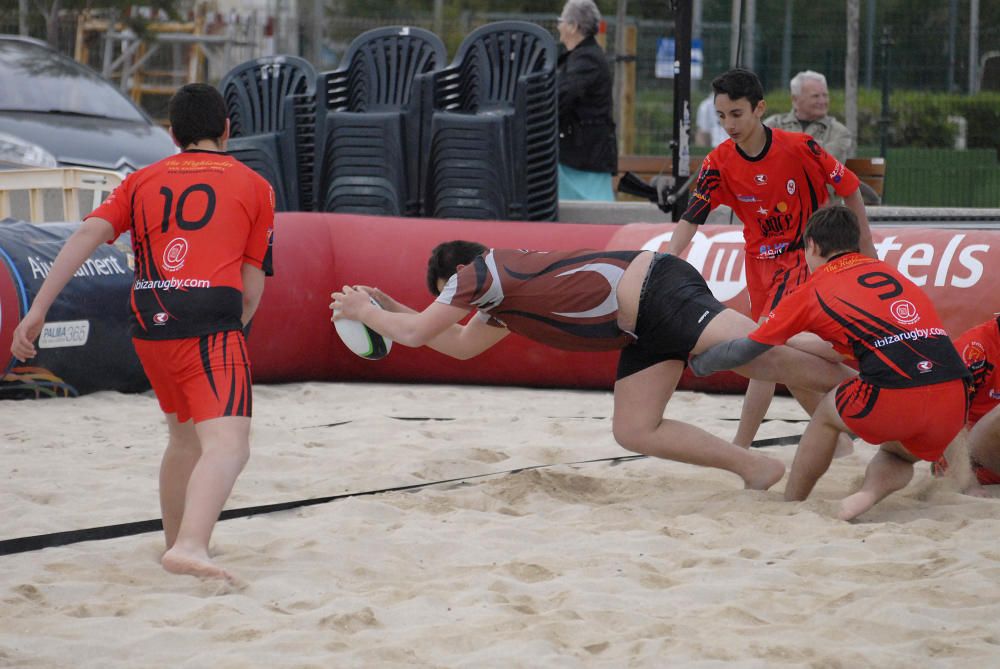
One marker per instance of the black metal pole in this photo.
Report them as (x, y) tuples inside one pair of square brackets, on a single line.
[(885, 120), (681, 144)]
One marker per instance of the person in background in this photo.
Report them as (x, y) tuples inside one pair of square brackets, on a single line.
[(588, 148), (709, 131), (811, 114)]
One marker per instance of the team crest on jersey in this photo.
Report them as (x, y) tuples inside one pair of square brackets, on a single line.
[(790, 186), (837, 174), (904, 311), (974, 355), (174, 254), (161, 318), (760, 179)]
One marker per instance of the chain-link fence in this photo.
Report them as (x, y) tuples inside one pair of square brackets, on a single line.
[(928, 74)]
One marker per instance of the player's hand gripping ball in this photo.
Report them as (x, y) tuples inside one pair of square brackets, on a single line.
[(361, 339)]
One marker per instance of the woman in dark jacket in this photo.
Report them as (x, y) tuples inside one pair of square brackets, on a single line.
[(588, 149)]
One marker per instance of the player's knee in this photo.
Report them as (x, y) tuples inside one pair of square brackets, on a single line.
[(236, 450), (184, 443), (628, 437)]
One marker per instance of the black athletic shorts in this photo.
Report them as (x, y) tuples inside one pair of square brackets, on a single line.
[(675, 306)]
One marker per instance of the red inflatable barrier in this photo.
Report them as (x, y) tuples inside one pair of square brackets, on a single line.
[(293, 339)]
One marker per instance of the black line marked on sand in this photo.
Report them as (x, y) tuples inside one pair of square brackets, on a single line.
[(54, 539), (345, 422), (773, 420), (313, 427)]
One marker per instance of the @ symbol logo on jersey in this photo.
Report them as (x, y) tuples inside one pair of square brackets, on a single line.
[(174, 254), (904, 311), (790, 186), (161, 318)]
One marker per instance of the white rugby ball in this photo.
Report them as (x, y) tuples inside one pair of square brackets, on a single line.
[(361, 339)]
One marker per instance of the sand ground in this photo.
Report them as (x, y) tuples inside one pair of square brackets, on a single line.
[(639, 563)]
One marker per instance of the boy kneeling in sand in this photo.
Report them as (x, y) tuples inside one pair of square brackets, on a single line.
[(911, 394), (201, 227), (980, 350)]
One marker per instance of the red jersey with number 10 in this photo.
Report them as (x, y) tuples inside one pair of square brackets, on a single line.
[(774, 193), (195, 218), (868, 310)]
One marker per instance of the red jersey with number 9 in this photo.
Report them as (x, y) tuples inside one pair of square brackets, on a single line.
[(868, 310), (195, 218)]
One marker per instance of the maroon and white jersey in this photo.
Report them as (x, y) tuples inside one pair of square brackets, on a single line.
[(566, 299)]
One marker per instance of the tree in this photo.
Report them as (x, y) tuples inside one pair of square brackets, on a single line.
[(49, 9)]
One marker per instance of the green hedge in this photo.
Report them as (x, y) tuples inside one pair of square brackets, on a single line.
[(919, 119)]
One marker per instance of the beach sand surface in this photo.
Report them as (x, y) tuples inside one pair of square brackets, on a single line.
[(541, 560)]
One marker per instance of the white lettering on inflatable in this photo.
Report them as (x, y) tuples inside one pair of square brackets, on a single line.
[(971, 263), (920, 255), (719, 258), (60, 334), (949, 252), (883, 247), (38, 270), (91, 267)]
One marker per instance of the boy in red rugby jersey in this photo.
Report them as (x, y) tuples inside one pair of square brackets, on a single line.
[(979, 347), (911, 394), (773, 180), (201, 225)]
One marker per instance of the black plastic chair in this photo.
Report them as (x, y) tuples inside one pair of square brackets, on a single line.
[(371, 129), (493, 133), (266, 155), (271, 104)]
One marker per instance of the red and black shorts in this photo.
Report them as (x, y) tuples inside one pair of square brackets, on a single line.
[(924, 419), (199, 378), (769, 280)]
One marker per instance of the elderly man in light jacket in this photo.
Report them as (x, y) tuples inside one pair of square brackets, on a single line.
[(810, 114)]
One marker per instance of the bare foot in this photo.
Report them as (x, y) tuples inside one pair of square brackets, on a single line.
[(177, 561), (854, 505), (845, 446), (974, 489), (764, 473)]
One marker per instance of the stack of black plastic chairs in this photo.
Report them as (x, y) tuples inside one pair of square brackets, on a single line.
[(371, 123), (494, 127), (272, 112), (394, 131)]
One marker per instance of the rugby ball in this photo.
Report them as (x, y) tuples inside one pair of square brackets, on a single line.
[(361, 339)]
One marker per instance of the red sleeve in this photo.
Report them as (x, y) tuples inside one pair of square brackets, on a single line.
[(843, 180), (792, 316), (117, 207), (258, 248), (705, 195)]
